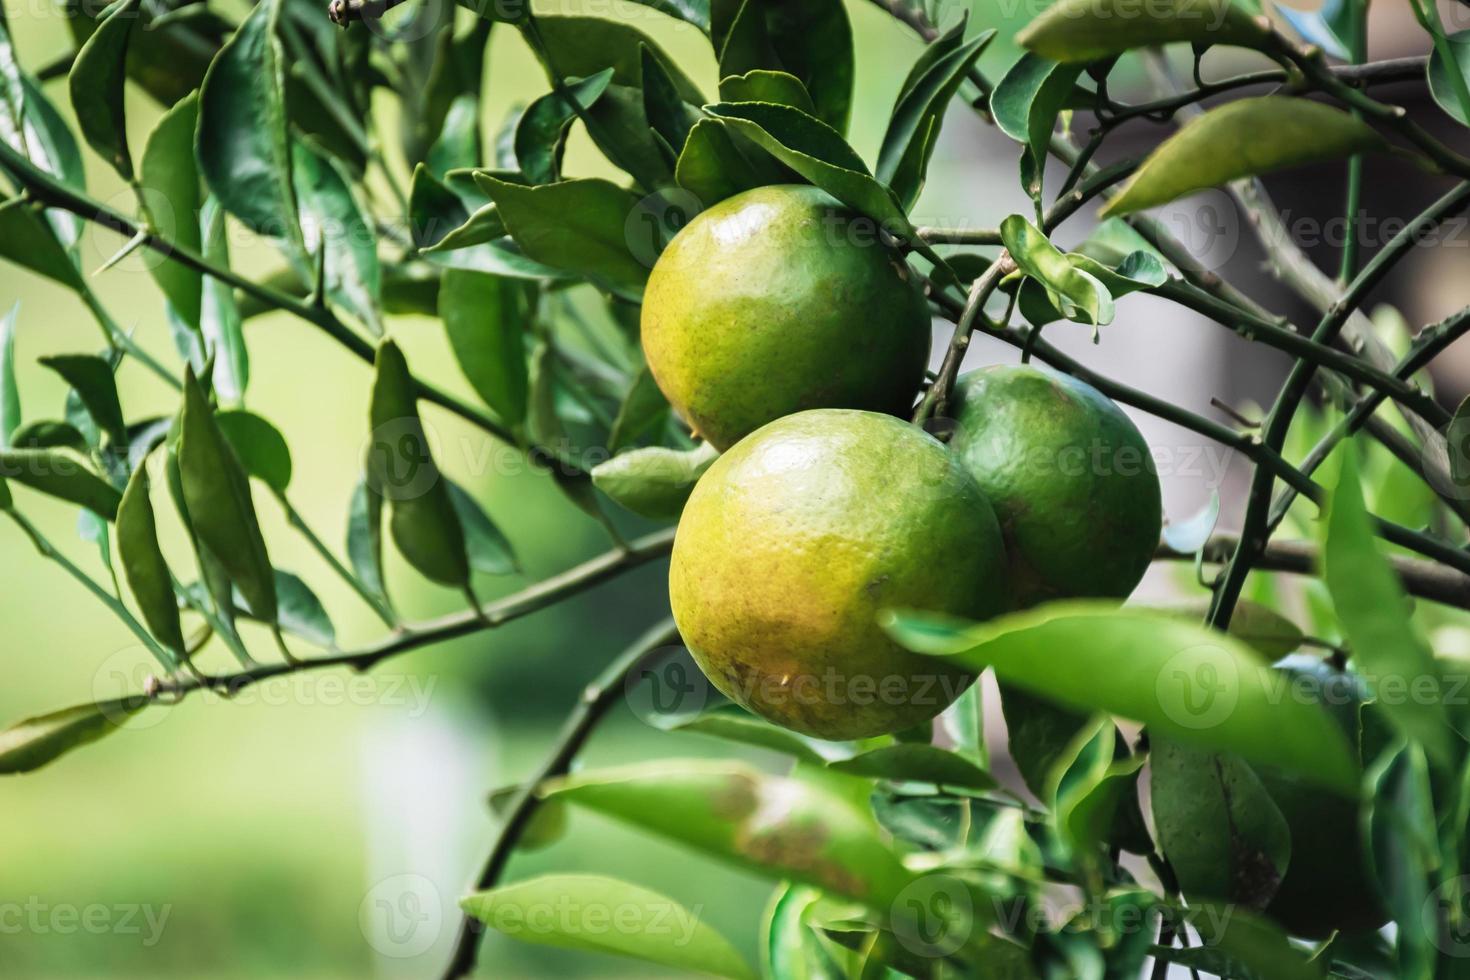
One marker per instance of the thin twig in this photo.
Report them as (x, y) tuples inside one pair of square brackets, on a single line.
[(599, 696)]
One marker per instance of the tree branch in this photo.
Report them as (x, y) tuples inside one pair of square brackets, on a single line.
[(599, 696)]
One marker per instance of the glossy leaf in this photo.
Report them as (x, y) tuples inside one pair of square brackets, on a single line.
[(724, 810), (1442, 71), (96, 83), (851, 185), (654, 482), (1405, 854), (620, 128), (1241, 945), (1374, 613), (1182, 680), (219, 316), (686, 943), (28, 241), (486, 318), (434, 211), (541, 135), (144, 566), (170, 198), (1221, 831), (92, 379), (488, 548), (1025, 105), (479, 228), (221, 510), (61, 475), (302, 613), (712, 168), (744, 729), (332, 221), (1327, 26), (1094, 796), (31, 744), (259, 446), (811, 41), (1245, 138), (577, 225), (1089, 30), (796, 131), (400, 467), (243, 148), (669, 116), (580, 47), (762, 85), (789, 948), (918, 764), (1073, 290), (908, 145), (10, 417), (365, 538)]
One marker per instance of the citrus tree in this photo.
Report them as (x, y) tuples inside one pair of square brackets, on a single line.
[(727, 350)]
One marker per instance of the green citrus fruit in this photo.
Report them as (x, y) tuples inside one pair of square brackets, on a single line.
[(796, 539), (1328, 884), (779, 300), (1070, 477)]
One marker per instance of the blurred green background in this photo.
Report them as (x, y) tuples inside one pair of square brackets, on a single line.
[(259, 838)]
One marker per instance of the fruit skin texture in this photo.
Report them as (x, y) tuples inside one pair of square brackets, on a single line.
[(1070, 476), (775, 301), (1328, 884), (794, 541)]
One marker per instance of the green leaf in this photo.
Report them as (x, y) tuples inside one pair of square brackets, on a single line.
[(915, 763), (259, 446), (1076, 293), (1182, 680), (685, 944), (31, 744), (434, 211), (577, 225), (580, 47), (1245, 138), (1374, 613), (694, 12), (811, 41), (333, 222), (795, 131), (48, 434), (1401, 828), (169, 181), (479, 228), (1092, 795), (712, 168), (620, 127), (1325, 27), (488, 548), (219, 316), (1025, 105), (789, 947), (654, 482), (400, 468), (302, 613), (458, 145), (61, 475), (1242, 946), (91, 378), (10, 417), (919, 114), (727, 810), (1039, 734), (486, 319), (761, 85), (669, 116), (1221, 831), (1089, 30), (144, 566), (365, 538), (964, 723), (1262, 628), (28, 241), (221, 512), (541, 135), (642, 411), (852, 185), (547, 826), (745, 729), (243, 148), (1442, 72), (96, 84)]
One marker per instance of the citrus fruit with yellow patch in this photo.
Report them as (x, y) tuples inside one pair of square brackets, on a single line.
[(1328, 884), (796, 539), (779, 300), (1070, 476)]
